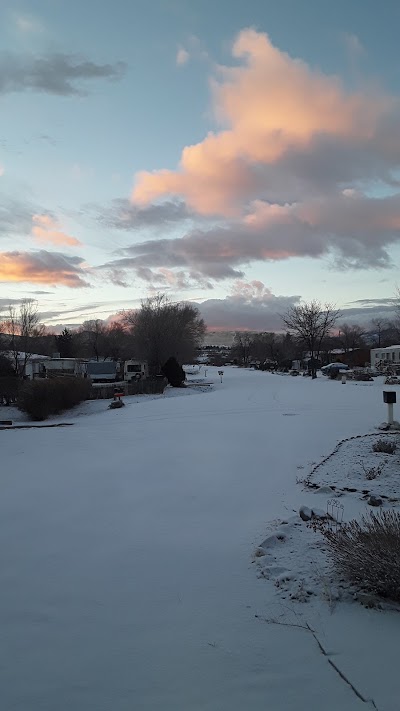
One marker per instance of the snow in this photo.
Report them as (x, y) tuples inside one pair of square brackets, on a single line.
[(128, 574)]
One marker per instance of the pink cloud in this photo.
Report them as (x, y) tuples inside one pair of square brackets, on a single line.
[(269, 107), (47, 229), (42, 267)]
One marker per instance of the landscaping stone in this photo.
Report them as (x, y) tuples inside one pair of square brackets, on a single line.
[(305, 513)]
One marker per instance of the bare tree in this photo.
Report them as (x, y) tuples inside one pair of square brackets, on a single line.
[(117, 342), (162, 329), (92, 335), (351, 337), (311, 323), (242, 346), (22, 326), (379, 328)]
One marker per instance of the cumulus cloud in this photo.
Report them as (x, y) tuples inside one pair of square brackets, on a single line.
[(250, 306), (53, 73), (42, 267), (46, 228), (182, 57), (289, 171), (269, 106)]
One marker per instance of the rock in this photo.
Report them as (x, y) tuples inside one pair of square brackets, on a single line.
[(318, 513), (375, 500), (305, 513)]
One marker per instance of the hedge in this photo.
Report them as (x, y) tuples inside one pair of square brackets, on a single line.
[(41, 398)]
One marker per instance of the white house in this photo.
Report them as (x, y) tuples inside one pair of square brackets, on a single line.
[(385, 356)]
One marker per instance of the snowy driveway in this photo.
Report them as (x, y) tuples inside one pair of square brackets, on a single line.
[(126, 581)]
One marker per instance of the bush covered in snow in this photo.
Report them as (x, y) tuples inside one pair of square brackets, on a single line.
[(41, 398), (367, 552), (385, 446)]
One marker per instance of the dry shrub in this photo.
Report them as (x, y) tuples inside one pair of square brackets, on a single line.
[(385, 446), (373, 472), (367, 552), (41, 398)]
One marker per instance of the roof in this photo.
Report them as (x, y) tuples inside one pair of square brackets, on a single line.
[(22, 355), (105, 367), (387, 348)]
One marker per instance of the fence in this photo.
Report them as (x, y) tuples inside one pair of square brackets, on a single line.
[(105, 391)]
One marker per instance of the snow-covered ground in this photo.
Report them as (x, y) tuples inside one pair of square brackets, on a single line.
[(127, 579)]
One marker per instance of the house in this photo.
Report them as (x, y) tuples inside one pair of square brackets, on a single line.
[(102, 371), (385, 357)]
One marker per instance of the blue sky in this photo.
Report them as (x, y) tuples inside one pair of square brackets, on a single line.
[(292, 195)]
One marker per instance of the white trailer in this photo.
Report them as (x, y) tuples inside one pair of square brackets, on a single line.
[(135, 370)]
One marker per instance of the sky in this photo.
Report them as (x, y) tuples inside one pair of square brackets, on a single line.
[(241, 155)]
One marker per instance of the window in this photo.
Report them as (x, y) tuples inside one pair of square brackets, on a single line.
[(134, 368)]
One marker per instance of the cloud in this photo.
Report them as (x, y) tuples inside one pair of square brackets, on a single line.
[(15, 216), (364, 315), (354, 46), (46, 228), (375, 302), (5, 303), (52, 73), (182, 57), (269, 107), (42, 267), (121, 214), (355, 229), (28, 24), (250, 306), (2, 170)]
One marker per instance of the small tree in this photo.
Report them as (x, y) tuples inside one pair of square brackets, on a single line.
[(311, 323), (22, 327), (65, 343)]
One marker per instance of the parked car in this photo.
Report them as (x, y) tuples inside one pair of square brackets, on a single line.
[(326, 369)]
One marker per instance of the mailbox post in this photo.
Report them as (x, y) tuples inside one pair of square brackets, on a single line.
[(389, 397)]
